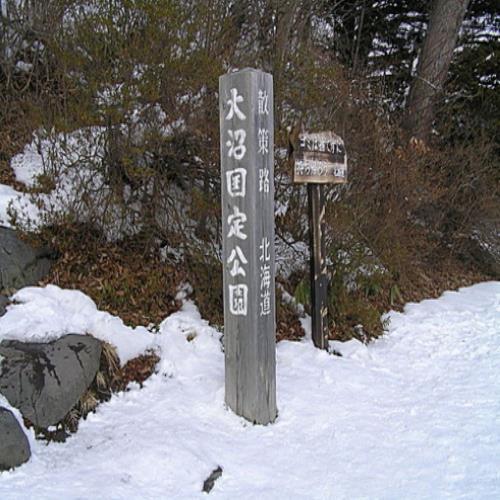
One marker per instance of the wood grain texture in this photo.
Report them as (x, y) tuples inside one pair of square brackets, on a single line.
[(249, 339), (318, 269)]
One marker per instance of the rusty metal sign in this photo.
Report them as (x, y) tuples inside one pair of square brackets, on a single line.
[(320, 158)]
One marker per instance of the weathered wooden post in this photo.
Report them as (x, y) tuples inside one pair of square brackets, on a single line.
[(247, 164), (320, 158), (318, 271)]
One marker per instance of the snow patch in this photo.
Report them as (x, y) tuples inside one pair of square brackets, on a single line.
[(413, 415), (46, 314)]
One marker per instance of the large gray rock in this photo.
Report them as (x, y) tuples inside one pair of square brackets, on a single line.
[(3, 302), (46, 380), (14, 445), (21, 265)]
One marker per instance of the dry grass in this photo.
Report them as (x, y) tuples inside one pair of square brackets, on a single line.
[(122, 278)]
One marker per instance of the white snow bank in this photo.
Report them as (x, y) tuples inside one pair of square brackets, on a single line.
[(45, 314), (416, 415), (29, 165)]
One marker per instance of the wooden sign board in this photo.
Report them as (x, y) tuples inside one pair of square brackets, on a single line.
[(320, 158), (247, 181)]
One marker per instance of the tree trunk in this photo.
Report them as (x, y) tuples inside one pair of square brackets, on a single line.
[(445, 20)]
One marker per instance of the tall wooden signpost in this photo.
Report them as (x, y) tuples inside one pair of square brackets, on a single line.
[(320, 158), (247, 161)]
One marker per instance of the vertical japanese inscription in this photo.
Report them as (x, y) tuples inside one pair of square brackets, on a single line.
[(247, 139)]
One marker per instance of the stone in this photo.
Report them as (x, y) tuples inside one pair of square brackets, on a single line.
[(44, 381), (20, 264), (14, 445), (3, 303), (209, 482)]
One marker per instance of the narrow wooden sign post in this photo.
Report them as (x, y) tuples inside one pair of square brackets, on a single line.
[(247, 164), (320, 159)]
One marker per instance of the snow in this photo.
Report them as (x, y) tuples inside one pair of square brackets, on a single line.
[(12, 199), (416, 414), (29, 164), (73, 165), (46, 314), (73, 162), (56, 157), (291, 255)]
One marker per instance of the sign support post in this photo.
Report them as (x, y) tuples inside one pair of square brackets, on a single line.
[(247, 170), (319, 159), (318, 271)]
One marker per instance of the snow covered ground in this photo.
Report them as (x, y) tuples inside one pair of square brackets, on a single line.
[(414, 415)]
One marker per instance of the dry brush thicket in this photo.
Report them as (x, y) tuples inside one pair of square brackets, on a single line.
[(141, 77)]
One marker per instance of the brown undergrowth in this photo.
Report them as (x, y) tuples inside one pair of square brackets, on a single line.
[(122, 278), (128, 281), (357, 313), (12, 140)]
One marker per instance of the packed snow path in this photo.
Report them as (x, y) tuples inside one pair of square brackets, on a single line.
[(414, 415)]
